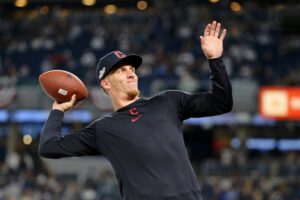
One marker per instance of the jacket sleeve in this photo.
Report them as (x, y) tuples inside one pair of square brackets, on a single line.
[(76, 143), (217, 101)]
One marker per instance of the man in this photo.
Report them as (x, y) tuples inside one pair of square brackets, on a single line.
[(143, 138)]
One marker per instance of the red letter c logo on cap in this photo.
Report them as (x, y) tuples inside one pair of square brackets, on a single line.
[(119, 54)]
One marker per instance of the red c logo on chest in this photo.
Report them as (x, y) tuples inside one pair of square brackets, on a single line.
[(134, 113)]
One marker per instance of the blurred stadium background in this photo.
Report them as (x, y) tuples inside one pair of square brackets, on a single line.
[(251, 153)]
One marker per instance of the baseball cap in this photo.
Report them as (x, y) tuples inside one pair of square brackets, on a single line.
[(115, 59)]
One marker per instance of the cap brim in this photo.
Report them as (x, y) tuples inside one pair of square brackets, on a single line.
[(133, 60)]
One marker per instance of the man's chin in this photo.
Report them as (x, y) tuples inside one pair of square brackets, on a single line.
[(133, 94)]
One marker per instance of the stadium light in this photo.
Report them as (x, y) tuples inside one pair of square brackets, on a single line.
[(27, 139), (235, 6), (88, 2), (142, 5), (21, 3), (110, 9), (214, 1)]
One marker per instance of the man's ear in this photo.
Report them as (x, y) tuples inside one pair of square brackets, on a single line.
[(105, 84)]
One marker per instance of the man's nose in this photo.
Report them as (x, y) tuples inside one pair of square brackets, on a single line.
[(130, 74)]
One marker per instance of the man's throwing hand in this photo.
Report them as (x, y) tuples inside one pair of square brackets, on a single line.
[(66, 105), (211, 42)]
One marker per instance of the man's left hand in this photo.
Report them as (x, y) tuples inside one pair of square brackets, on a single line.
[(211, 42)]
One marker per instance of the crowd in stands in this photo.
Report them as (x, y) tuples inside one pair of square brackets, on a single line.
[(35, 41), (263, 178)]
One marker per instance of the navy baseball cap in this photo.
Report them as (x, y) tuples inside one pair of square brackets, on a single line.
[(115, 59)]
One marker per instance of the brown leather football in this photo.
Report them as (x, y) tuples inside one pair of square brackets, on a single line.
[(60, 85)]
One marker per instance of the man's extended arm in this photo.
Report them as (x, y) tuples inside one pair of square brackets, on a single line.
[(219, 100), (76, 143)]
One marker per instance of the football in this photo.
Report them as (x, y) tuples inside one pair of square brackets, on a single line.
[(60, 85)]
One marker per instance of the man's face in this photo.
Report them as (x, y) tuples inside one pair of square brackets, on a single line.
[(123, 81)]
